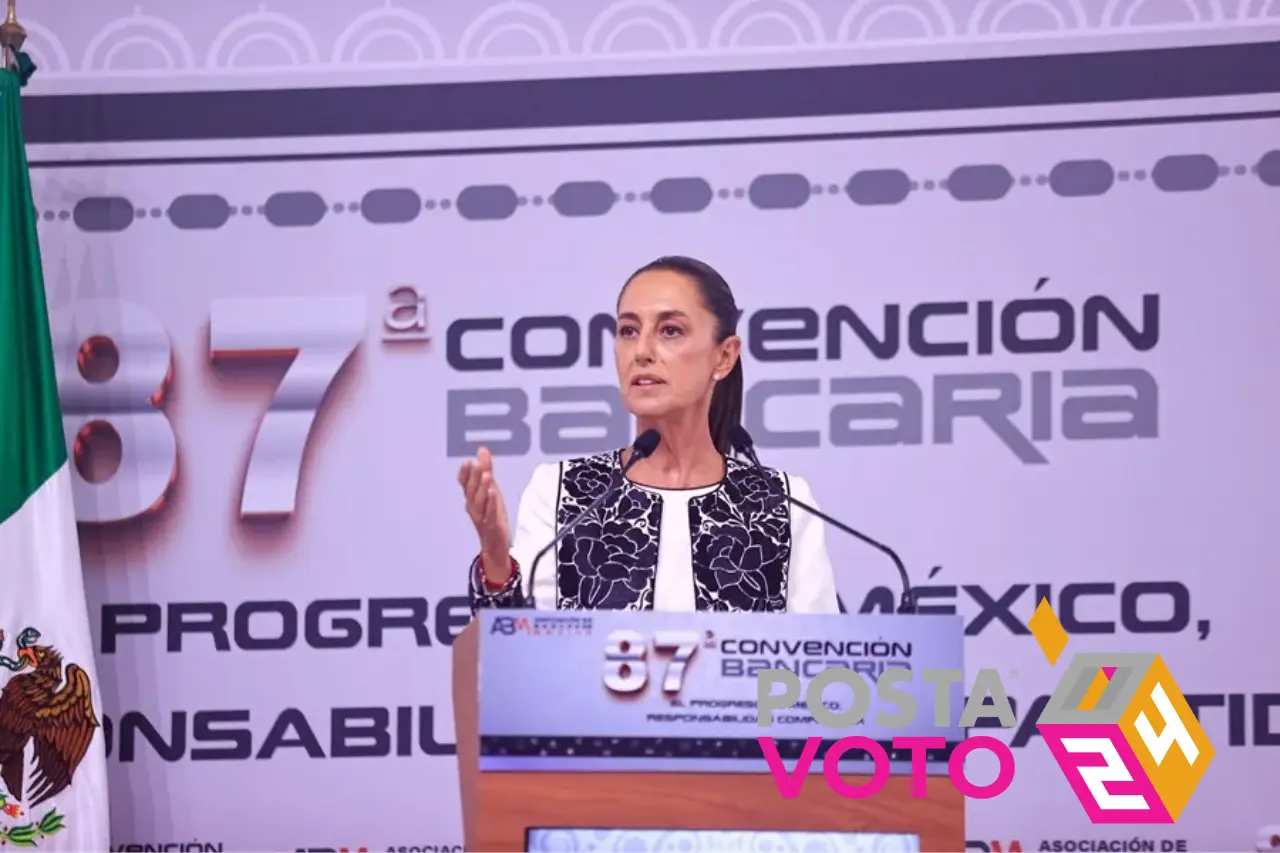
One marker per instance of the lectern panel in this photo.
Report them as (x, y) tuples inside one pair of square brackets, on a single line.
[(514, 803), (677, 692), (646, 722)]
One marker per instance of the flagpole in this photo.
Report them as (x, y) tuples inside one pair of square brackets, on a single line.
[(12, 35)]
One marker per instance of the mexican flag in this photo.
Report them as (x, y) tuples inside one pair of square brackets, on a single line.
[(53, 772)]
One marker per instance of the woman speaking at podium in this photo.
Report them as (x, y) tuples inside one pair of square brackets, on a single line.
[(681, 526)]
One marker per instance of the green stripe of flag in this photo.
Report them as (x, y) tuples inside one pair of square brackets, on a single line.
[(32, 446)]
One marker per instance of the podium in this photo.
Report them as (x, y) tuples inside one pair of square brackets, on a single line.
[(572, 722)]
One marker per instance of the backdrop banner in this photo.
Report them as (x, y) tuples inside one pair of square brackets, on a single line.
[(1006, 277)]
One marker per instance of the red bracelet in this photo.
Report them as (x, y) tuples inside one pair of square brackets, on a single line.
[(491, 585)]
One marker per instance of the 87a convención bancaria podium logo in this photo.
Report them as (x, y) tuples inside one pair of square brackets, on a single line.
[(1122, 732)]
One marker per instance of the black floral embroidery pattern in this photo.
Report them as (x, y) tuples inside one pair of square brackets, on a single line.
[(610, 560), (741, 536)]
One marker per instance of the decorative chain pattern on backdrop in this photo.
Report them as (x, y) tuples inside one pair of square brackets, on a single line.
[(780, 191)]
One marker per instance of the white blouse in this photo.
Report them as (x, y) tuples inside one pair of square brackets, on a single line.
[(811, 587)]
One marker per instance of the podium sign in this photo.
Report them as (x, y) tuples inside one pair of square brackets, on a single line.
[(628, 691)]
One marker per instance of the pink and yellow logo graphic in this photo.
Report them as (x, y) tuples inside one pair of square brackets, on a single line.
[(1121, 731)]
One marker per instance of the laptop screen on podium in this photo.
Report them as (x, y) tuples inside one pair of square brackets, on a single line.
[(579, 840)]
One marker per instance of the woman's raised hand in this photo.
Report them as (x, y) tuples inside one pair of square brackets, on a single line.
[(488, 513)]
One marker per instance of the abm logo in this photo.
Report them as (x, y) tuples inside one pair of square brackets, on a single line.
[(1122, 732), (542, 626), (508, 626)]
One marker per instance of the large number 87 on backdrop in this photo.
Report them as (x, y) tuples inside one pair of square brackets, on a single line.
[(114, 362)]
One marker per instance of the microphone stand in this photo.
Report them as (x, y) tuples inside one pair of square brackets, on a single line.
[(906, 604)]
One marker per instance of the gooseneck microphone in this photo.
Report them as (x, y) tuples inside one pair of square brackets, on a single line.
[(742, 442), (641, 448)]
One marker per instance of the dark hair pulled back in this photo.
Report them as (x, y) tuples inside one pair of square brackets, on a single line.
[(726, 400)]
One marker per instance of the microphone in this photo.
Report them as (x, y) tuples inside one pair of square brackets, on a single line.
[(641, 448), (742, 442)]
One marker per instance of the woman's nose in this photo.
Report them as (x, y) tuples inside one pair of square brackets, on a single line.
[(644, 348)]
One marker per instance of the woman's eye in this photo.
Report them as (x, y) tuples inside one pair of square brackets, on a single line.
[(626, 331), (670, 331)]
